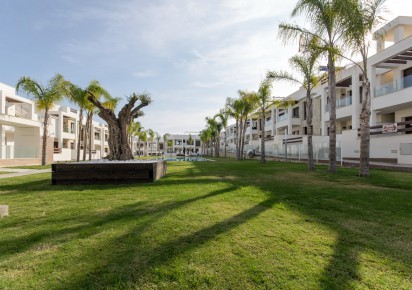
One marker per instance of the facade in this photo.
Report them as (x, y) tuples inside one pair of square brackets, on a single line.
[(177, 144), (390, 74), (21, 129)]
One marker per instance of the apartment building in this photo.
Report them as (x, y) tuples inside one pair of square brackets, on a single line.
[(21, 129), (390, 73), (177, 144)]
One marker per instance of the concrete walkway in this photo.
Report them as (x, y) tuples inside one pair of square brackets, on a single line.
[(14, 172), (380, 165)]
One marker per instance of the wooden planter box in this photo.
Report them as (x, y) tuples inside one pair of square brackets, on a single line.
[(107, 173)]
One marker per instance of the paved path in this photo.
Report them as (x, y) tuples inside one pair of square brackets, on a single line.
[(14, 172), (380, 165)]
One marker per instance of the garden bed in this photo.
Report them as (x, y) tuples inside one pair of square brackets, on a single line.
[(107, 172)]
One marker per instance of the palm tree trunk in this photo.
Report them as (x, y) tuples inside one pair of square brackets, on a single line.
[(365, 129), (262, 137), (237, 139), (309, 113), (243, 136), (79, 134), (86, 136), (45, 133), (332, 120), (90, 135)]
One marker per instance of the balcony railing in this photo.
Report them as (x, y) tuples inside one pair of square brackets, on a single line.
[(283, 117), (67, 130), (342, 102), (394, 86)]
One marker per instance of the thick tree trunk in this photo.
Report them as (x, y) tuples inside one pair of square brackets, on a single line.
[(44, 141), (365, 129), (309, 113), (79, 134), (262, 137), (118, 126), (332, 114)]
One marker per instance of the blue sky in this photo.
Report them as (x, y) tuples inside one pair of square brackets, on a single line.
[(190, 55)]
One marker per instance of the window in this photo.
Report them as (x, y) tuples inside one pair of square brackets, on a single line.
[(407, 78), (408, 126), (295, 112)]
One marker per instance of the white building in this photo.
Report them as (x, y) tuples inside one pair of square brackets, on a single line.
[(390, 73), (21, 129)]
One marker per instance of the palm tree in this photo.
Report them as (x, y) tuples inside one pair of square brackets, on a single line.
[(143, 138), (360, 19), (165, 142), (264, 101), (158, 141), (97, 91), (240, 109), (223, 116), (78, 96), (205, 137), (190, 141), (215, 128), (45, 98), (151, 137), (305, 66), (327, 29), (134, 128)]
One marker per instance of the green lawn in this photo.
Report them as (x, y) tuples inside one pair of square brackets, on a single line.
[(211, 225)]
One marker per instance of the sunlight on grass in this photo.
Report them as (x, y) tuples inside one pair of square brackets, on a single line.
[(223, 224)]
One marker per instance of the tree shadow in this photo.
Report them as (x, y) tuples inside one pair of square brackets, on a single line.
[(123, 269), (92, 223), (126, 268)]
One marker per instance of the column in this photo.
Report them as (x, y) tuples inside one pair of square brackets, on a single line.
[(290, 125), (272, 118), (3, 142), (398, 33), (355, 100)]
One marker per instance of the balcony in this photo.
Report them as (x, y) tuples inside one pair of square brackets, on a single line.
[(283, 117), (19, 110), (340, 103), (394, 86)]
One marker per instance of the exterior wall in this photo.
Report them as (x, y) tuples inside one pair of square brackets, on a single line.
[(391, 91)]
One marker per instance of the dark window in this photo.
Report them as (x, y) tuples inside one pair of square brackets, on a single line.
[(360, 94), (408, 126), (305, 130), (407, 77), (295, 112)]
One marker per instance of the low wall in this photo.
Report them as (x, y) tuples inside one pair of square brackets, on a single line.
[(107, 173), (20, 162)]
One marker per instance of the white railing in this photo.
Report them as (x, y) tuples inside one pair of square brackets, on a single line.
[(393, 86)]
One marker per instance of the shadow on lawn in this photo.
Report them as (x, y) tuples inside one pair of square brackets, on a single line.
[(134, 262)]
